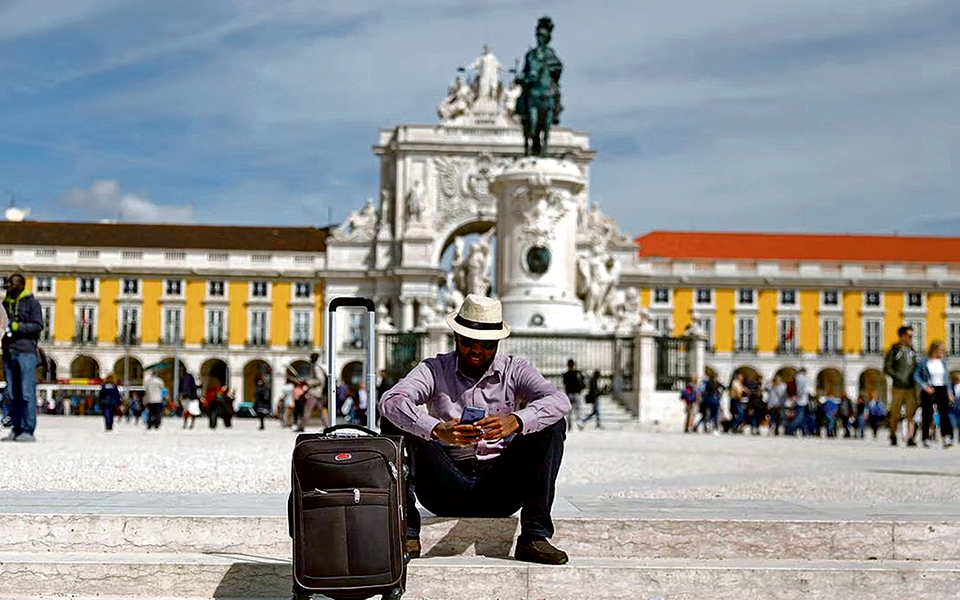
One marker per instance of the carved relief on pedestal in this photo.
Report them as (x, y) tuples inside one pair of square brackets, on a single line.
[(539, 208)]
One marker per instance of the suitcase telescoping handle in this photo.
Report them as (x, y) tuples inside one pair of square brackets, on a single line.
[(371, 369)]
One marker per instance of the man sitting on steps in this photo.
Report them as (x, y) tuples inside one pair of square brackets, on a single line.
[(505, 461)]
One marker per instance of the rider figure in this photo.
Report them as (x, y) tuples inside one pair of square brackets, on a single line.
[(539, 103)]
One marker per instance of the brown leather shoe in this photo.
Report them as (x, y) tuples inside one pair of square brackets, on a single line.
[(539, 551), (413, 547)]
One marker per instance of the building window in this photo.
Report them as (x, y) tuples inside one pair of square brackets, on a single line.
[(301, 289), (172, 325), (174, 287), (955, 300), (915, 300), (918, 339), (88, 285), (831, 298), (706, 326), (131, 287), (215, 289), (301, 328), (830, 336), (746, 334), (704, 296), (216, 327), (953, 338), (258, 328), (661, 296), (44, 285), (788, 297), (745, 297), (872, 336), (129, 324), (86, 324), (357, 330), (662, 325), (258, 289), (787, 334), (872, 298), (46, 312)]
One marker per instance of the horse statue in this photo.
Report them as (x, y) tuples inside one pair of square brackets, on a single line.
[(539, 103)]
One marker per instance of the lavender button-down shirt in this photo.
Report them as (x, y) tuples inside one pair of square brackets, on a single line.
[(510, 386)]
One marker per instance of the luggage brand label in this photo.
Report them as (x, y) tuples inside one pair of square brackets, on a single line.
[(343, 456)]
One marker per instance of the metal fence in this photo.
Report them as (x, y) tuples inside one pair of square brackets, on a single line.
[(672, 363), (614, 356), (404, 351)]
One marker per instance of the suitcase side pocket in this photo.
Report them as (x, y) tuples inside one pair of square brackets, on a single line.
[(342, 533)]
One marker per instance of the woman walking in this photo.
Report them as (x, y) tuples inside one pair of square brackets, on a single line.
[(933, 377)]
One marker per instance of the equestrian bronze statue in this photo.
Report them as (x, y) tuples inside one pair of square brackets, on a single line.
[(539, 103)]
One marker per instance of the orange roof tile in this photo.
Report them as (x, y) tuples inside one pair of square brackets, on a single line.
[(799, 247)]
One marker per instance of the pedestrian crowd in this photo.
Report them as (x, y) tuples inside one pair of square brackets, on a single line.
[(792, 406)]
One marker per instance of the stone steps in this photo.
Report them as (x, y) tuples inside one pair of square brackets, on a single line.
[(188, 575), (921, 539)]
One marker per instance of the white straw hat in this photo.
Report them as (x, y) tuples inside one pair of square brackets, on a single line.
[(479, 318)]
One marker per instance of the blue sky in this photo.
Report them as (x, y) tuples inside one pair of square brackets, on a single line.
[(753, 115)]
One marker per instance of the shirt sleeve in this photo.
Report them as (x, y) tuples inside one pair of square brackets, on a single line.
[(543, 403), (399, 404)]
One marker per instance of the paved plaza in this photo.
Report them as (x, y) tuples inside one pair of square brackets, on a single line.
[(644, 514), (623, 471)]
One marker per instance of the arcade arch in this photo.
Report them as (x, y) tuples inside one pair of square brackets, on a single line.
[(85, 367), (136, 370), (253, 370), (830, 382), (873, 380), (213, 373)]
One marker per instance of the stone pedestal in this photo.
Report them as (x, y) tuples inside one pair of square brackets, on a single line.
[(536, 244)]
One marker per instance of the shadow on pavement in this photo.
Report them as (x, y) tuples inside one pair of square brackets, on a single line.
[(492, 537)]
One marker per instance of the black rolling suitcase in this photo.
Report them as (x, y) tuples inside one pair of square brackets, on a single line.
[(346, 511)]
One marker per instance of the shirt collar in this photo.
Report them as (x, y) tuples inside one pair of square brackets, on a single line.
[(496, 367)]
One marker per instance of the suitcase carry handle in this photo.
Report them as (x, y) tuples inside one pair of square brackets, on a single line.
[(346, 301), (343, 426), (371, 309)]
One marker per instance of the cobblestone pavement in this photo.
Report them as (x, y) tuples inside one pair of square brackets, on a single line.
[(627, 468)]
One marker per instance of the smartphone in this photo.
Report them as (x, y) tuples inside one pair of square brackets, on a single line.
[(471, 414)]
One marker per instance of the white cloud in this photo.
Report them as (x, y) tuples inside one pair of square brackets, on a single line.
[(103, 199)]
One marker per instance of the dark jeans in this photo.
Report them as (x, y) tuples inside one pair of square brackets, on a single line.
[(941, 399), (799, 422), (20, 373), (108, 416), (776, 416), (523, 477), (156, 410)]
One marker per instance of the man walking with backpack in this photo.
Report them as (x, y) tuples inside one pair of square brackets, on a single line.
[(898, 364), (573, 385)]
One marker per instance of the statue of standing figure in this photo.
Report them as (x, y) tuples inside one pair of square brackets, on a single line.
[(488, 75), (478, 265), (539, 103)]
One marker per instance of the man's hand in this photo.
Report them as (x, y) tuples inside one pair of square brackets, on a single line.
[(454, 434), (497, 427), (929, 389)]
